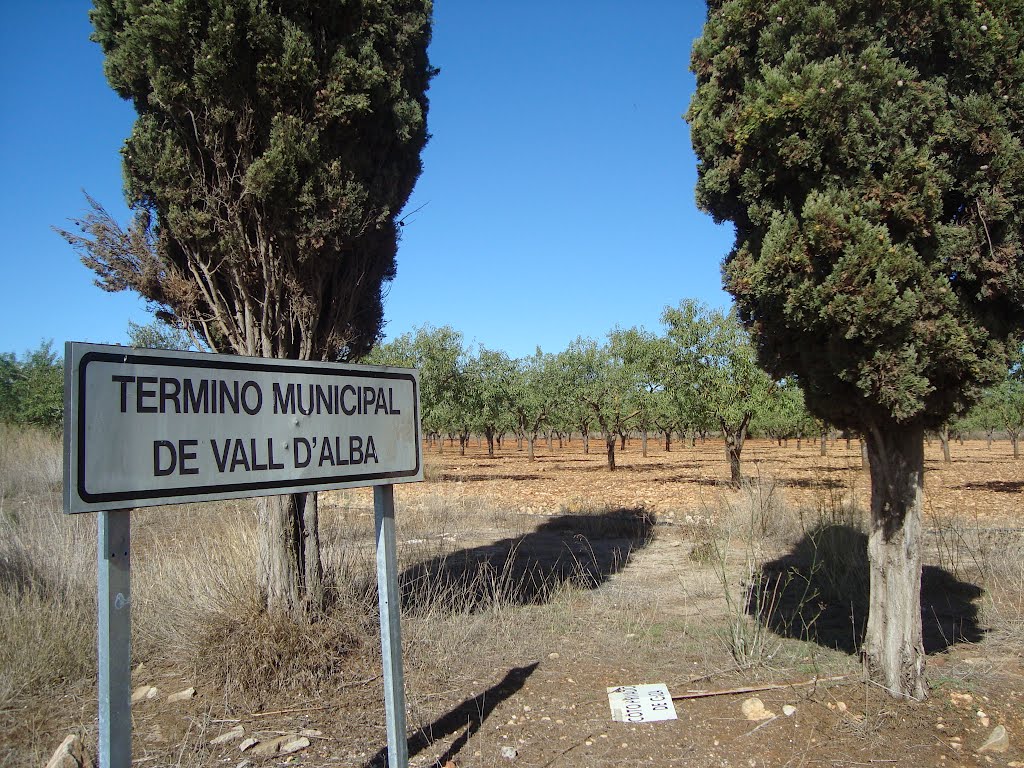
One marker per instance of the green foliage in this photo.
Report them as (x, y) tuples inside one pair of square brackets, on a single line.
[(32, 388), (870, 158), (274, 148), (713, 354), (158, 335)]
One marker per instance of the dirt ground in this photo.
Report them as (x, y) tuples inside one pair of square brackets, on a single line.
[(523, 684)]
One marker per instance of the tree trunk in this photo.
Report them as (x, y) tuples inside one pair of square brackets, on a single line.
[(622, 438), (1015, 440), (551, 446), (734, 439), (290, 554), (643, 443), (490, 443), (586, 443), (529, 448), (893, 644), (944, 440), (733, 449), (668, 440), (824, 443), (610, 442)]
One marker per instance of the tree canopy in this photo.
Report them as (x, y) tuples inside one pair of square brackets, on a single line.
[(274, 149)]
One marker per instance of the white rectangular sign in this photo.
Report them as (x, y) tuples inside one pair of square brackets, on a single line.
[(146, 427), (641, 703)]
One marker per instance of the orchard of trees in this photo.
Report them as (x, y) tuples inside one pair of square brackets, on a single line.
[(698, 378)]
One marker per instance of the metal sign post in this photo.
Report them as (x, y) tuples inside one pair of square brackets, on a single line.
[(390, 599), (113, 578)]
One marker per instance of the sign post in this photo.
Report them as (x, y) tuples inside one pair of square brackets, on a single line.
[(152, 427), (390, 599), (113, 578)]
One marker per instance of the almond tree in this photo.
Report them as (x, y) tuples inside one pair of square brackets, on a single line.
[(606, 385), (869, 156), (712, 352), (275, 146)]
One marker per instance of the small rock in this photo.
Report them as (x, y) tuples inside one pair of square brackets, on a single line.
[(554, 655), (295, 745), (248, 744), (509, 753), (997, 741), (788, 710), (282, 745), (960, 699), (185, 695), (244, 763), (841, 706), (144, 692), (313, 733), (753, 709), (235, 733), (70, 754)]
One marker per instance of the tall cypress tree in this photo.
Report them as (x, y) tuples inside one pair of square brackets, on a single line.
[(275, 146), (869, 155)]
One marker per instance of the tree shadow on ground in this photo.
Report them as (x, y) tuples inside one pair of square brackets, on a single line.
[(580, 550), (999, 486), (470, 715), (819, 592)]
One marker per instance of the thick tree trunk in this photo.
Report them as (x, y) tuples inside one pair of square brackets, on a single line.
[(529, 448), (643, 443), (668, 441), (290, 554), (490, 443), (610, 443), (1015, 440), (944, 440), (893, 644), (586, 443), (734, 439), (622, 439)]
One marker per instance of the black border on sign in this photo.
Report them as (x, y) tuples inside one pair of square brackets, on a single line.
[(281, 486)]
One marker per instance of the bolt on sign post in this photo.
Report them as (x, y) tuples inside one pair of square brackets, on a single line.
[(150, 427)]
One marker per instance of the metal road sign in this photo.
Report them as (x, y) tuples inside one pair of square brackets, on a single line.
[(154, 427), (145, 427)]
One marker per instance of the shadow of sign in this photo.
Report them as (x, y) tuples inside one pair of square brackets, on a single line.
[(470, 715), (819, 592), (577, 549)]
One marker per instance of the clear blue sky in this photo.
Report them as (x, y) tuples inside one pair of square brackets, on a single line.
[(557, 187)]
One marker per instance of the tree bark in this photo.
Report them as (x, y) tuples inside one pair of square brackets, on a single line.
[(290, 554), (668, 441), (643, 443), (893, 644), (610, 443), (944, 441), (824, 443), (529, 448)]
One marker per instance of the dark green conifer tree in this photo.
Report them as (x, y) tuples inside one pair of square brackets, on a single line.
[(275, 146), (869, 155)]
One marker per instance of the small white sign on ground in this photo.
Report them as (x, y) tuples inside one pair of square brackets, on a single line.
[(641, 703)]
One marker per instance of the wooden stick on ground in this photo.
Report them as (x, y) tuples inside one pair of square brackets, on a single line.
[(756, 688)]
